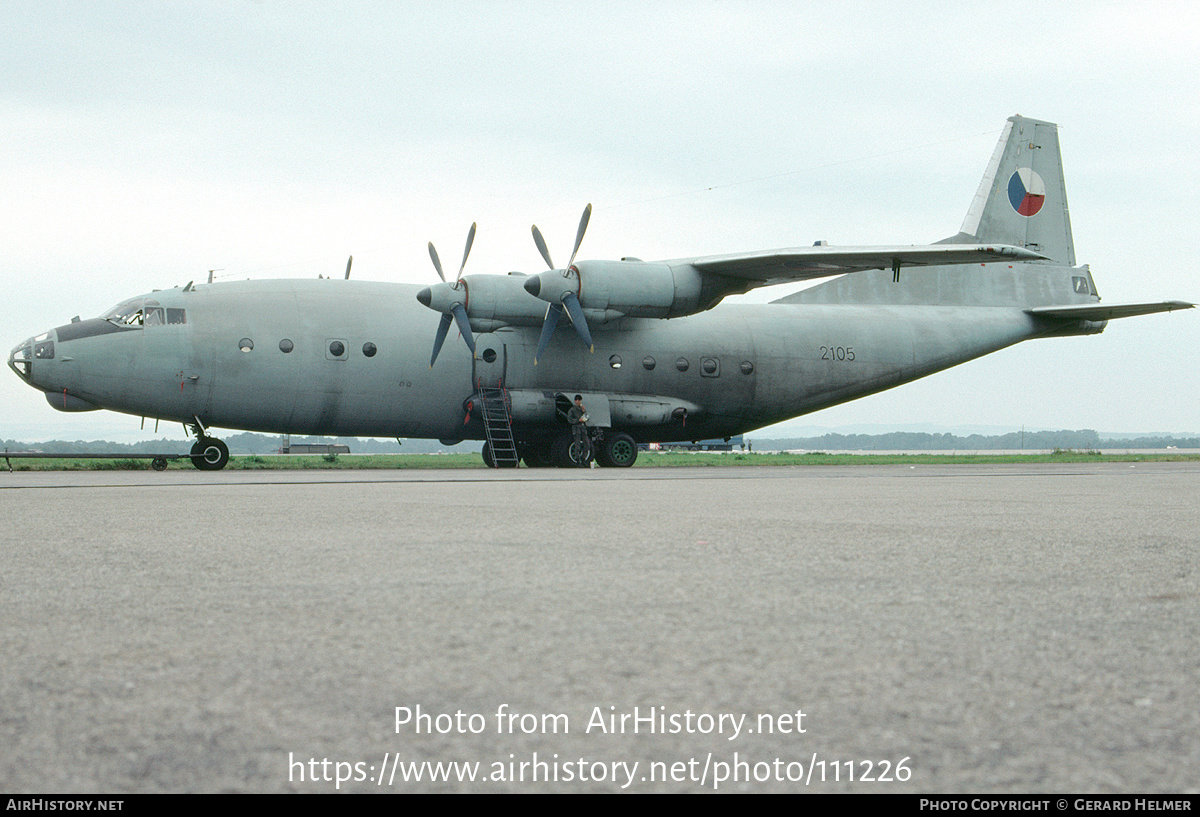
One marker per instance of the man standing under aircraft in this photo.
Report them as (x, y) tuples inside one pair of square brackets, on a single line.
[(577, 417)]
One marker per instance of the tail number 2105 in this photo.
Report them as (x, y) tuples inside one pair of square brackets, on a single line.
[(837, 353)]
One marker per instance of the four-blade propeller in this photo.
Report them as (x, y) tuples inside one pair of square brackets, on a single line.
[(568, 300), (450, 300)]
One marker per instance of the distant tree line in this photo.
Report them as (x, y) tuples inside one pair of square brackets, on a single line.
[(1082, 440)]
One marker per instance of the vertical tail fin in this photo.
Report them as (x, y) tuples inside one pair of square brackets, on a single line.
[(1022, 199)]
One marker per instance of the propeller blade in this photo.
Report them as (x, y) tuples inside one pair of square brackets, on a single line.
[(467, 251), (575, 313), (541, 245), (440, 337), (583, 223), (437, 263), (553, 314), (464, 325), (348, 263)]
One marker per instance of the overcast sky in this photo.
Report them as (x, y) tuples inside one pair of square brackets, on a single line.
[(144, 144)]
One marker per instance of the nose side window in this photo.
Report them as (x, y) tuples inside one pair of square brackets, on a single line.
[(20, 360)]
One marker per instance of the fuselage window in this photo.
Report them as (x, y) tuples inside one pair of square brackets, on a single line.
[(747, 367), (648, 362), (286, 346), (615, 361), (175, 316), (245, 344), (682, 364), (369, 349), (337, 350), (153, 316)]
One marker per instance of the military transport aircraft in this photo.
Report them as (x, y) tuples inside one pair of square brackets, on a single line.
[(646, 344)]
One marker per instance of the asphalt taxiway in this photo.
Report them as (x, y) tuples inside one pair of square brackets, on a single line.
[(999, 628)]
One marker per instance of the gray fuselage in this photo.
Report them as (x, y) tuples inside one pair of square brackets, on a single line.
[(716, 374)]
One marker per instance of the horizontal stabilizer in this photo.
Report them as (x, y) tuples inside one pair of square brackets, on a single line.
[(1099, 312), (822, 261)]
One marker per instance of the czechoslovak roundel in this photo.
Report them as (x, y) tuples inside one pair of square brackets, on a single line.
[(1026, 191)]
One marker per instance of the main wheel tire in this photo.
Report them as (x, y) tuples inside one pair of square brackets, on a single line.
[(209, 454), (567, 454), (617, 451), (489, 459), (536, 454)]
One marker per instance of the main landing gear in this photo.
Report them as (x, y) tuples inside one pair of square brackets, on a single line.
[(566, 452), (616, 450), (609, 449), (489, 459)]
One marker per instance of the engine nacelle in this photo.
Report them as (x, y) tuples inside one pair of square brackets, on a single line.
[(491, 301), (635, 289)]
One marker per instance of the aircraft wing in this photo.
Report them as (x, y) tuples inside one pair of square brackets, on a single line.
[(822, 261), (1098, 312)]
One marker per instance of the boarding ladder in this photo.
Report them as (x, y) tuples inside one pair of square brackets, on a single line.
[(497, 425)]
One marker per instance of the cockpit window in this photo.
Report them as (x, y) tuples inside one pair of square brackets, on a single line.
[(144, 312), (126, 314)]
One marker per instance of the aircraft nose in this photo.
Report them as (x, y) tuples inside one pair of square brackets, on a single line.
[(18, 358), (21, 358)]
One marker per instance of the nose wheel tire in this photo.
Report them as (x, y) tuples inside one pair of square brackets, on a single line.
[(209, 454)]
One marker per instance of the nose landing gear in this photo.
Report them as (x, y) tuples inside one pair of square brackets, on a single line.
[(209, 454)]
